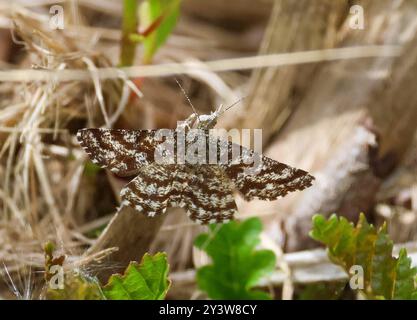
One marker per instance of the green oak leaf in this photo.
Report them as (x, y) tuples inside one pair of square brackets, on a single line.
[(385, 276), (237, 266), (145, 281)]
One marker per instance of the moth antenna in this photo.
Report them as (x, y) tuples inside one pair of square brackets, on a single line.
[(186, 96), (234, 104)]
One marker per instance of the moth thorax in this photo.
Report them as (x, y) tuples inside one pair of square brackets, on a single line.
[(207, 121)]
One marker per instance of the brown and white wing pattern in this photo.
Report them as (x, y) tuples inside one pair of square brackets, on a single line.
[(271, 181), (121, 151), (207, 194), (153, 190), (204, 190)]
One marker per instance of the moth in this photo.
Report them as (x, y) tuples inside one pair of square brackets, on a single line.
[(205, 191)]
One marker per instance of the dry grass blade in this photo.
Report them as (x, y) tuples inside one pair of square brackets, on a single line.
[(272, 60)]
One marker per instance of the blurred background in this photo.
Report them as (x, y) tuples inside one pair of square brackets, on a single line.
[(346, 116)]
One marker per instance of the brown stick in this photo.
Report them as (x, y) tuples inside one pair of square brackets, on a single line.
[(132, 233)]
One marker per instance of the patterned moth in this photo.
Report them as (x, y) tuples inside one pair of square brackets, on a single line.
[(205, 190)]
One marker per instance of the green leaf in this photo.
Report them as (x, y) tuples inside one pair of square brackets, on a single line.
[(405, 282), (163, 14), (385, 276), (236, 265), (145, 281)]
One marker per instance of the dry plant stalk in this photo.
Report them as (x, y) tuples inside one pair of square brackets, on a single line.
[(342, 95), (293, 26)]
